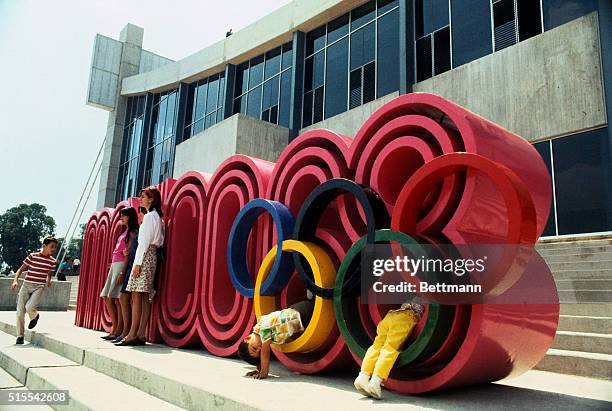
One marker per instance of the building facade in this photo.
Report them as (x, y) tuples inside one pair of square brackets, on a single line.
[(540, 68)]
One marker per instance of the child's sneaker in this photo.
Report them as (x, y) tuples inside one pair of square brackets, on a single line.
[(19, 341), (374, 387), (33, 322), (361, 383)]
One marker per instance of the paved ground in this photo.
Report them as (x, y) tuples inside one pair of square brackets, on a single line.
[(164, 369)]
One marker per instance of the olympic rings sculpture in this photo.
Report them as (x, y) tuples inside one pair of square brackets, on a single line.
[(251, 237)]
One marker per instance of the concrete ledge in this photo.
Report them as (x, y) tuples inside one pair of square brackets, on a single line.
[(55, 298)]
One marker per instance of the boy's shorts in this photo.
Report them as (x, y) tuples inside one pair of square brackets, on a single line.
[(305, 308)]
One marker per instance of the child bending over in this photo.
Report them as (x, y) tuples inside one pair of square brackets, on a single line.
[(277, 327), (391, 333)]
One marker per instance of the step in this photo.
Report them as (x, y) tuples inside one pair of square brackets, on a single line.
[(8, 381), (574, 242), (586, 296), (20, 407), (586, 342), (585, 324), (584, 284), (589, 309), (562, 258), (586, 364), (580, 265), (18, 359), (574, 250), (196, 380), (582, 274), (41, 369), (91, 390)]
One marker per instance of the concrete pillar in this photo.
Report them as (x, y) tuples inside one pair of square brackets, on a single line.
[(406, 46), (297, 83), (131, 38)]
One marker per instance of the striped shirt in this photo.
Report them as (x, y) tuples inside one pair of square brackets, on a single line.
[(39, 266)]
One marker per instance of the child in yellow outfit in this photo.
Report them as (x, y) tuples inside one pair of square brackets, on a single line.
[(391, 333)]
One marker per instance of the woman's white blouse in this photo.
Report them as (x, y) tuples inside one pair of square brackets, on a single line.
[(151, 232)]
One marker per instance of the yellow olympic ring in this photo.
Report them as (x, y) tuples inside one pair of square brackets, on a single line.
[(323, 318)]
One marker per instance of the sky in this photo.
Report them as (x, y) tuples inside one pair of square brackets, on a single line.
[(49, 138)]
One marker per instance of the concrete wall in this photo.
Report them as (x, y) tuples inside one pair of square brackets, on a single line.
[(129, 64), (349, 122), (238, 134), (547, 86), (104, 73), (55, 298), (268, 32), (151, 61)]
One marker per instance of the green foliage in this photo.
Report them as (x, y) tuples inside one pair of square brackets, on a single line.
[(22, 230)]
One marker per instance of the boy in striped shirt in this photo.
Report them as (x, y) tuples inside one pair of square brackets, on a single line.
[(40, 267)]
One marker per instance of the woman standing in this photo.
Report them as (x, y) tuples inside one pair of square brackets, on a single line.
[(140, 284), (125, 298), (112, 287)]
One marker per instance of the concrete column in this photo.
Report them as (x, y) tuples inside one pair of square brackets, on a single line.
[(406, 46), (297, 83), (131, 38)]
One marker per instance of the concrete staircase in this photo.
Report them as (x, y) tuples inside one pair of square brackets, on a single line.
[(100, 376), (583, 273)]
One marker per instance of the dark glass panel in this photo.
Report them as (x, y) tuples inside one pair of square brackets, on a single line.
[(318, 70), (369, 82), (256, 71), (308, 73), (287, 56), (170, 114), (337, 78), (430, 15), (337, 28), (221, 90), (254, 103), (272, 66), (198, 126), (200, 104), (529, 18), (190, 104), (362, 46), (363, 14), (423, 58), (355, 88), (242, 81), (285, 99), (388, 53), (270, 93), (581, 172), (307, 109), (213, 91), (386, 5), (544, 149), (503, 12), (274, 114), (315, 40), (442, 57), (318, 105)]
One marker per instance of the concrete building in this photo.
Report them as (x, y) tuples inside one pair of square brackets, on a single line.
[(540, 68)]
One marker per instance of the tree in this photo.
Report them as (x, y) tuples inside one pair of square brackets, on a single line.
[(74, 248), (22, 230)]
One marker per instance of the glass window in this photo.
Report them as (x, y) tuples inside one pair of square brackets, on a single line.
[(348, 77), (242, 78), (529, 18), (363, 15), (212, 95), (581, 175), (287, 56), (285, 99), (337, 28), (315, 40), (254, 103), (544, 149), (423, 58), (337, 78), (272, 63), (442, 53), (430, 15), (256, 71), (362, 46), (388, 53)]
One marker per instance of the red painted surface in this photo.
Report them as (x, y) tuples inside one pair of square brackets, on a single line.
[(407, 152)]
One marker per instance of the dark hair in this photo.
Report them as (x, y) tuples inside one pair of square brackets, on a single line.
[(245, 355), (142, 210), (49, 239), (132, 225), (153, 192)]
